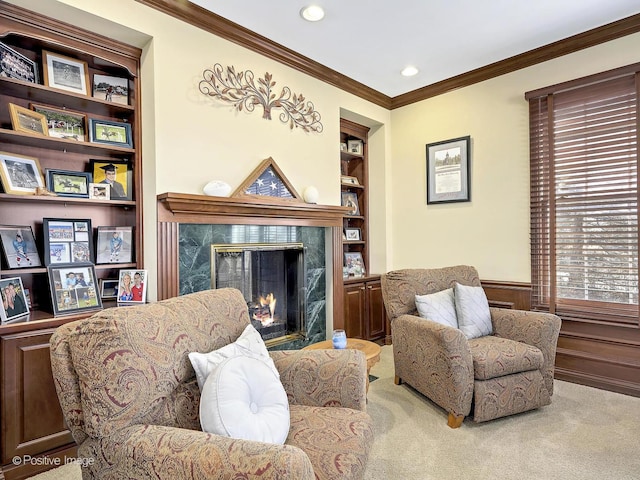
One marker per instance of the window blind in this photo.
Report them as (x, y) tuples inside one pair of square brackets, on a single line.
[(584, 198)]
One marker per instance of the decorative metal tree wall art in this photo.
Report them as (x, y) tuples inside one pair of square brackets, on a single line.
[(243, 91)]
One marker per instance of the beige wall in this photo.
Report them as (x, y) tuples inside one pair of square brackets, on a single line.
[(492, 231), (189, 139)]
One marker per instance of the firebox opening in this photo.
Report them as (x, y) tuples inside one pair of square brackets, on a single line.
[(272, 279)]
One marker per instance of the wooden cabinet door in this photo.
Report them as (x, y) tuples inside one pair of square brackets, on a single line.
[(355, 310), (376, 311), (32, 420)]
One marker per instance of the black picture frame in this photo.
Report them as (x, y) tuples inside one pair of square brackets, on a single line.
[(448, 176), (112, 249), (20, 309), (67, 241), (108, 288), (67, 183), (124, 177), (15, 65), (111, 133), (73, 288), (19, 246)]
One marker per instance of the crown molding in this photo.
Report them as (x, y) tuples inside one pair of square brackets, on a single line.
[(221, 27)]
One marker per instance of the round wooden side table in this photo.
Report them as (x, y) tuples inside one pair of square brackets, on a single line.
[(371, 350)]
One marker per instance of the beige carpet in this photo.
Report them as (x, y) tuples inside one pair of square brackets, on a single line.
[(585, 434)]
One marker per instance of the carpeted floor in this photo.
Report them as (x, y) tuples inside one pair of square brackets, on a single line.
[(585, 434)]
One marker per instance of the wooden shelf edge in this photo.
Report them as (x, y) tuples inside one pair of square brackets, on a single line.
[(45, 199)]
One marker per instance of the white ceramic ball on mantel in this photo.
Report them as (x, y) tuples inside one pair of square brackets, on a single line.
[(217, 188), (311, 194)]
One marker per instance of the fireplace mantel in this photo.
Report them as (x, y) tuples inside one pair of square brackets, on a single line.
[(176, 208)]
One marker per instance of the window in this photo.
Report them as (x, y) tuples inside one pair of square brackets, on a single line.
[(584, 197)]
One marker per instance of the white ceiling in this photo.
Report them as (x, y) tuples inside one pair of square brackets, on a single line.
[(371, 41)]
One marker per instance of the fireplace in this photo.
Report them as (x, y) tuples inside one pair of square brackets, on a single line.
[(272, 279)]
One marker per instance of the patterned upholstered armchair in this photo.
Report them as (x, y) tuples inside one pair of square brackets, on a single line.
[(130, 397), (508, 372)]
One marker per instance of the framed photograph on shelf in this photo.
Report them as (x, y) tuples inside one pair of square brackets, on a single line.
[(73, 288), (132, 286), (350, 199), (20, 175), (65, 73), (99, 191), (62, 123), (448, 171), (108, 288), (347, 180), (116, 174), (352, 234), (27, 121), (15, 65), (114, 245), (111, 89), (67, 240), (355, 146), (14, 302), (66, 183), (19, 246), (354, 264), (113, 133)]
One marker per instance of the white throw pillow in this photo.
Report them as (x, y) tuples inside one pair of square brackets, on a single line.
[(472, 307), (242, 398), (439, 307), (250, 344)]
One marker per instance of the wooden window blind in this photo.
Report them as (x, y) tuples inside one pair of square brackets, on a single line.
[(584, 197)]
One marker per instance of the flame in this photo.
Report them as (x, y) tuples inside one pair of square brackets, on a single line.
[(269, 301)]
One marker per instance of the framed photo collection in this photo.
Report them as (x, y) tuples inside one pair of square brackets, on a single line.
[(67, 241), (73, 288)]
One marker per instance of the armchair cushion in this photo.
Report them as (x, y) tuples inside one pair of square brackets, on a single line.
[(439, 307), (242, 398), (495, 357), (472, 308)]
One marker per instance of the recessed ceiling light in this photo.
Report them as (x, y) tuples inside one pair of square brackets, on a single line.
[(312, 13), (409, 71)]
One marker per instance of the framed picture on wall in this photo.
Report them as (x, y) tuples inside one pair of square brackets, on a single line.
[(448, 171)]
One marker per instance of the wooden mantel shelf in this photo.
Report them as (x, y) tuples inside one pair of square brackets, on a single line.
[(267, 208)]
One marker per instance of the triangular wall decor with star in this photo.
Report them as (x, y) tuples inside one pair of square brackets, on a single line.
[(267, 180)]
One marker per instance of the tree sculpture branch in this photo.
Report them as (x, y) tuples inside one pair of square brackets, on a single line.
[(244, 92)]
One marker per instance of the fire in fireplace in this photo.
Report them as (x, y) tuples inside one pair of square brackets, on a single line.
[(272, 279)]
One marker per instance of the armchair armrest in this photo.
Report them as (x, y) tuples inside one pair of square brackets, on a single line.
[(323, 377), (173, 454), (434, 359), (533, 328)]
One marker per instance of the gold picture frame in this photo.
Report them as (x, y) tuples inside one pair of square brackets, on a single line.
[(21, 175), (28, 121)]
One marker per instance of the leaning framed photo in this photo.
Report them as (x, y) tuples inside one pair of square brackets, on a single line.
[(73, 288), (448, 177), (65, 123), (14, 304), (19, 246), (67, 240), (27, 121), (111, 89), (112, 133), (355, 146), (350, 199), (132, 286), (20, 175), (354, 264), (66, 183), (15, 65), (117, 174), (348, 180), (65, 73), (108, 288), (352, 234), (114, 245)]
